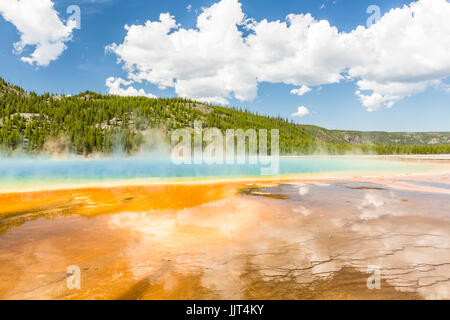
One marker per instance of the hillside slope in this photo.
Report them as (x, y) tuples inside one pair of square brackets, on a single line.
[(90, 122)]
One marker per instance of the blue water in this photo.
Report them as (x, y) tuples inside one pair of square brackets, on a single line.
[(42, 171)]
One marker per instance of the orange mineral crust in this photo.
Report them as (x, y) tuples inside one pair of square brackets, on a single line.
[(94, 201), (290, 239)]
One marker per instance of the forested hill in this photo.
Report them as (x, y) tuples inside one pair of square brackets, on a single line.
[(93, 123)]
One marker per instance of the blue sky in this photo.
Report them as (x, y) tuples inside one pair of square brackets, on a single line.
[(85, 64)]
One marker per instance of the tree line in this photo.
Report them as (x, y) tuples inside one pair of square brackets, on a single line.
[(91, 122)]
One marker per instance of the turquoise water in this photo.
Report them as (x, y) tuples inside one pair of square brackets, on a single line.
[(38, 171)]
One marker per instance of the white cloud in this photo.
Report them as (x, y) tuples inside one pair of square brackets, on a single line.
[(301, 91), (404, 53), (38, 25), (445, 87), (388, 93), (189, 8), (115, 88), (301, 112)]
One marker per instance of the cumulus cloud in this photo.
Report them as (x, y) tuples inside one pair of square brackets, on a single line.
[(228, 54), (388, 93), (403, 54), (445, 87), (301, 91), (301, 112), (115, 88), (39, 26)]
